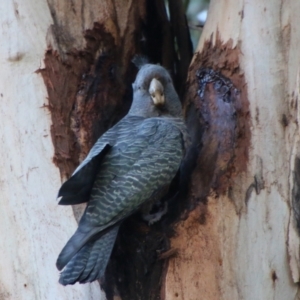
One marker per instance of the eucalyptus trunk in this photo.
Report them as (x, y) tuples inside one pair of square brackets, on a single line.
[(242, 239)]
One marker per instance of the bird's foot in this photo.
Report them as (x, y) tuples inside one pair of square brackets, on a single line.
[(155, 217)]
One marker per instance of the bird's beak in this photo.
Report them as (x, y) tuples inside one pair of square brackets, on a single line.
[(156, 91)]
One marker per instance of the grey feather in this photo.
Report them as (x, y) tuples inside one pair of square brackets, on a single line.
[(90, 261), (77, 189), (131, 162)]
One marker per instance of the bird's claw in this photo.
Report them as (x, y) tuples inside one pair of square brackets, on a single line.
[(155, 217)]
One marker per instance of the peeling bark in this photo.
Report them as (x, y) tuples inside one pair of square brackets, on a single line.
[(240, 240), (217, 113), (218, 120)]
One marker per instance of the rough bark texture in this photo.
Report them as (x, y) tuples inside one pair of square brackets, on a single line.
[(218, 120), (240, 242)]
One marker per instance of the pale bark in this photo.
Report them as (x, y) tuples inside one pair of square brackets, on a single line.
[(33, 228), (248, 247)]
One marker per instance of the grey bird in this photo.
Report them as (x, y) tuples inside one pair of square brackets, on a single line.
[(129, 166)]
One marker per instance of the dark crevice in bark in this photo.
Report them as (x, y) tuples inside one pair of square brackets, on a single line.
[(156, 40), (182, 41), (135, 262)]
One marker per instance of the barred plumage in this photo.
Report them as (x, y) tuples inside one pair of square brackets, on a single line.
[(127, 166)]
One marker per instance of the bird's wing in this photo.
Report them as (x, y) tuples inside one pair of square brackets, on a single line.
[(150, 158), (77, 188)]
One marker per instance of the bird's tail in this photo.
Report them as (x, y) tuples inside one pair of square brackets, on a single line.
[(90, 262)]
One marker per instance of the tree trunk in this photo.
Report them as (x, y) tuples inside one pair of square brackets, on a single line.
[(33, 229), (242, 239), (232, 228)]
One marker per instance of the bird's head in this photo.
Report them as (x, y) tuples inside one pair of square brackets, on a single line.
[(154, 94)]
